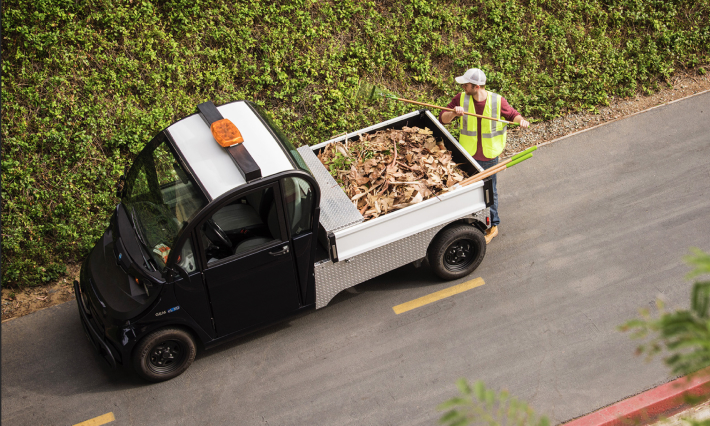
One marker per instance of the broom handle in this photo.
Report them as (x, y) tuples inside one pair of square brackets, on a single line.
[(493, 170), (510, 162), (449, 109)]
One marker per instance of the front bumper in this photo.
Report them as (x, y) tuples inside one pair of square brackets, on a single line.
[(97, 341)]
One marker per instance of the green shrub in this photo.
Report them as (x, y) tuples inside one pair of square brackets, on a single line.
[(86, 84), (480, 405)]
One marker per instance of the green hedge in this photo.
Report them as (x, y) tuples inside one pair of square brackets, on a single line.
[(86, 84)]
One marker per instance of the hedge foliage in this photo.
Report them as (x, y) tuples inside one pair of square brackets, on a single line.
[(87, 83)]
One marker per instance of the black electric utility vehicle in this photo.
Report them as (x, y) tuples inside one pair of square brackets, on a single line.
[(210, 242)]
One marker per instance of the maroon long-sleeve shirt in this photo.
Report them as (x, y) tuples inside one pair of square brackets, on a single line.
[(506, 111)]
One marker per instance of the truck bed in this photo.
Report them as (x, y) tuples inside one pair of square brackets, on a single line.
[(360, 250)]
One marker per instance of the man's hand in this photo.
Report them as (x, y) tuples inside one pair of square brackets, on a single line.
[(449, 116), (520, 120)]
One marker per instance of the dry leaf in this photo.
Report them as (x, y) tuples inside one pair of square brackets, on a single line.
[(391, 169), (341, 149)]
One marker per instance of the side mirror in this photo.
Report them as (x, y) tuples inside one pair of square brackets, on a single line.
[(120, 185)]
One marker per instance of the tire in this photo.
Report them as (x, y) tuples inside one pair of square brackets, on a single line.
[(457, 251), (164, 354)]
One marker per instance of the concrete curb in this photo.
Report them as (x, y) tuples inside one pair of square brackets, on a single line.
[(621, 118), (654, 404), (607, 122)]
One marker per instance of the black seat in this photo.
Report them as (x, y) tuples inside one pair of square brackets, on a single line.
[(235, 217), (272, 222), (240, 216)]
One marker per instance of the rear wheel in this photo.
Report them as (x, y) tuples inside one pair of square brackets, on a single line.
[(164, 354), (456, 251)]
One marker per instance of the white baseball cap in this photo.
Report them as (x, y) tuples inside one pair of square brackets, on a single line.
[(473, 76)]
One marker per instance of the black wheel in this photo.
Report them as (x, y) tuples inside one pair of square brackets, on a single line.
[(164, 354), (457, 251)]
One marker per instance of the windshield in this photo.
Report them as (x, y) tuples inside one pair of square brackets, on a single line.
[(160, 199)]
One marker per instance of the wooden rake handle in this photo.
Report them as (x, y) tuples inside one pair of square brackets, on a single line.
[(510, 162), (486, 173), (449, 109)]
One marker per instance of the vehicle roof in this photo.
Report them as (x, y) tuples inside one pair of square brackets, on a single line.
[(212, 164)]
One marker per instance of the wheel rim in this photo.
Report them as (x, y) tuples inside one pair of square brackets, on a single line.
[(460, 255), (166, 357)]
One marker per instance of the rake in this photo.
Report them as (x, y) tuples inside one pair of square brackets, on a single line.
[(517, 158), (367, 92)]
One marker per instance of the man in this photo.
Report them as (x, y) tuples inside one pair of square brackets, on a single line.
[(483, 139)]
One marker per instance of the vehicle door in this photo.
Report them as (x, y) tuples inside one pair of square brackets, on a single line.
[(248, 262), (190, 291), (299, 202)]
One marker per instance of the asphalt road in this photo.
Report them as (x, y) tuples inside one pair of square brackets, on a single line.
[(594, 228)]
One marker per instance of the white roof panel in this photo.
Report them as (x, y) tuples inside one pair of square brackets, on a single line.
[(212, 164)]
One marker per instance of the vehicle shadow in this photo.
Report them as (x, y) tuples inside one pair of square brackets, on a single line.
[(69, 363), (405, 277), (402, 278), (229, 345), (70, 366)]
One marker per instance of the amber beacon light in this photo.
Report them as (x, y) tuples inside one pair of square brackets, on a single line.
[(229, 137), (226, 133)]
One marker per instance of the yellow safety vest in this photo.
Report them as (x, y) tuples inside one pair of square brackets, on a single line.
[(492, 133)]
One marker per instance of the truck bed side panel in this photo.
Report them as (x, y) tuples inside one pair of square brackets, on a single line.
[(332, 278), (433, 212)]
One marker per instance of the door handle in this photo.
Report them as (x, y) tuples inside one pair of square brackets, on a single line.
[(284, 250)]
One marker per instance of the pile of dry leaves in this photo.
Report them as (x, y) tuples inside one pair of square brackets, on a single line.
[(391, 169)]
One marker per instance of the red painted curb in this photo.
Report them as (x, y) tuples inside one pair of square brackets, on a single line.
[(644, 408)]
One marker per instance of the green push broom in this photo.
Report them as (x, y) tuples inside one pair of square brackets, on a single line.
[(510, 162)]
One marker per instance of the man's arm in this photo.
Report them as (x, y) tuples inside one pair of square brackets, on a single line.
[(520, 120), (509, 113), (447, 117)]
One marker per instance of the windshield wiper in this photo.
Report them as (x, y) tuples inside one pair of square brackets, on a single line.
[(136, 226), (141, 238)]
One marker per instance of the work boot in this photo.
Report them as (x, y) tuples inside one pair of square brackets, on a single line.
[(492, 232)]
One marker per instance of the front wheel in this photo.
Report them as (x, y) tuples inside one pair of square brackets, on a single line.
[(457, 251), (164, 354)]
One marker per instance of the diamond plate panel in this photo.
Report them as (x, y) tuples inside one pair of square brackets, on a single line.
[(482, 215), (332, 278), (336, 209)]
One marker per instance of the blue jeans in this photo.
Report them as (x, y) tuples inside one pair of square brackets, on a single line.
[(495, 219)]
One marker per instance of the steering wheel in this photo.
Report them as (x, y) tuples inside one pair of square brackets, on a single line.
[(215, 234)]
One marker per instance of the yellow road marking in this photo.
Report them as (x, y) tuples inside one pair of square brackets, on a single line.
[(98, 421), (441, 294)]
